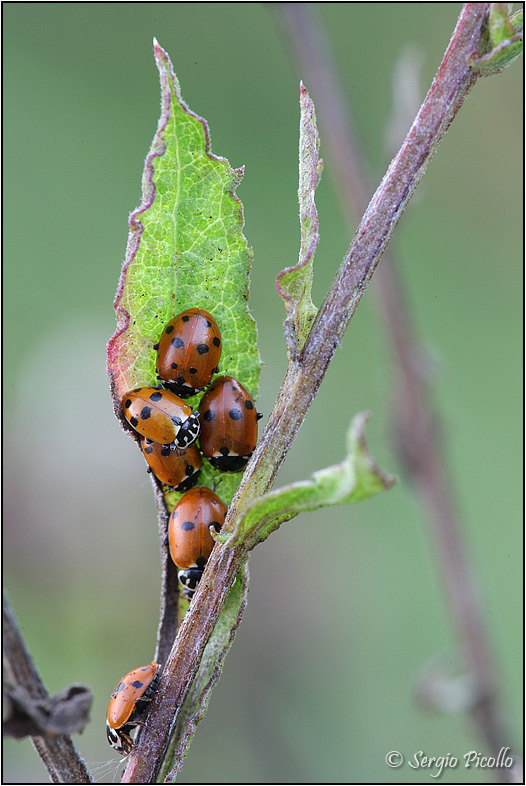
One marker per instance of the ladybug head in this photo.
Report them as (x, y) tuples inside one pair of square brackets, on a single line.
[(119, 740), (189, 431)]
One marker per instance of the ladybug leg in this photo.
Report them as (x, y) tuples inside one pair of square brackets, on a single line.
[(216, 535), (214, 531), (140, 723), (126, 741)]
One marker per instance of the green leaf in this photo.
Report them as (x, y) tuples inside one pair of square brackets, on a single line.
[(517, 21), (356, 478), (294, 284), (505, 41), (185, 249)]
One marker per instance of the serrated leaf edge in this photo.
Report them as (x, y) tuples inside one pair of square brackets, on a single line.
[(158, 148)]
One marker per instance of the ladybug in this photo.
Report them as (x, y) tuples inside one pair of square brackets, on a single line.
[(178, 468), (128, 703), (191, 543), (161, 416), (188, 352), (228, 421)]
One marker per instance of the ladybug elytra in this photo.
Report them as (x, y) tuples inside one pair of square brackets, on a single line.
[(191, 543), (161, 416), (228, 420), (188, 352), (178, 468), (128, 703)]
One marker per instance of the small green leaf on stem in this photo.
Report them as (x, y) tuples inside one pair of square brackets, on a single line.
[(294, 284), (505, 41), (356, 478)]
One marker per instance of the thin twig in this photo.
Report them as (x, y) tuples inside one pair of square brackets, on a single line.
[(58, 753), (417, 426)]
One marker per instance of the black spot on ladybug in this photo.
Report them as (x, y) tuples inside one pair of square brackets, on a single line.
[(192, 370), (165, 451), (216, 341), (134, 422), (177, 342), (148, 449), (189, 469), (185, 317), (249, 405), (137, 684), (201, 562), (145, 413), (224, 451), (169, 329), (235, 414), (208, 415), (173, 365), (188, 526), (157, 396), (202, 349), (127, 403)]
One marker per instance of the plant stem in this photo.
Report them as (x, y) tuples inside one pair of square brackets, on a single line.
[(58, 753), (417, 428), (303, 378), (169, 614)]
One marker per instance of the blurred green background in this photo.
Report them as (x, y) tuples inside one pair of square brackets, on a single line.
[(346, 605)]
